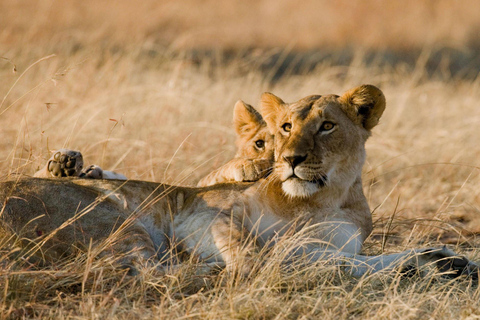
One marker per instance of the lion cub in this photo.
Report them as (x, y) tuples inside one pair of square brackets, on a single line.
[(254, 157), (252, 161)]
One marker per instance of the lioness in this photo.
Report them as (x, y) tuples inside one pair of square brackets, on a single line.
[(252, 161), (315, 192)]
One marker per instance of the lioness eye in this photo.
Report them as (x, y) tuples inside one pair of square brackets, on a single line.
[(287, 127), (326, 126), (260, 144)]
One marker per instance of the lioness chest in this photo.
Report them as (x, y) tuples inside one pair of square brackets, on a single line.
[(209, 218)]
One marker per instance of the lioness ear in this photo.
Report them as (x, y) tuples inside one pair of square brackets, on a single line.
[(364, 105), (246, 118), (272, 106)]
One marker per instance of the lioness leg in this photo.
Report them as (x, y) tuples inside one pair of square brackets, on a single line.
[(95, 172), (445, 260), (92, 172), (342, 246)]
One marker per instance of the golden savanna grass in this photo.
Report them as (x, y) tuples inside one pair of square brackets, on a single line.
[(148, 89)]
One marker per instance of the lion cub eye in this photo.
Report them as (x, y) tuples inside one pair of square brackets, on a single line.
[(287, 127), (327, 126), (260, 144)]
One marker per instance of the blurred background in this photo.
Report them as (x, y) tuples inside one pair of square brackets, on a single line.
[(394, 31), (147, 88)]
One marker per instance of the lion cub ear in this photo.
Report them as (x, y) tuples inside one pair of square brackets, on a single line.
[(272, 107), (246, 118), (364, 105)]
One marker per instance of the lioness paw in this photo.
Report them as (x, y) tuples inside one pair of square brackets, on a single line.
[(63, 163), (450, 263)]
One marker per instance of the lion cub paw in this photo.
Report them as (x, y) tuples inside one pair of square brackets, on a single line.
[(252, 170), (63, 163)]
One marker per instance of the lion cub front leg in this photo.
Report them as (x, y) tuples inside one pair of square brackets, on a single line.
[(249, 170), (63, 163), (238, 170)]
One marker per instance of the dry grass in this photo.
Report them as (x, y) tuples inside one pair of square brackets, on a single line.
[(122, 89)]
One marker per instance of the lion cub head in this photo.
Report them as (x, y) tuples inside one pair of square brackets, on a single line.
[(320, 140), (254, 140)]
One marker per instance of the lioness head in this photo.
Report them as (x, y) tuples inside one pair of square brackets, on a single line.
[(320, 140), (254, 140)]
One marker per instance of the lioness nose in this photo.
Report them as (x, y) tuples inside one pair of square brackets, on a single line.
[(294, 160)]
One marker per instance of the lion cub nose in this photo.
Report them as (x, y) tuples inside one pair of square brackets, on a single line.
[(294, 160)]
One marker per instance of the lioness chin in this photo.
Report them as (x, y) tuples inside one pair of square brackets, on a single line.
[(313, 194)]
